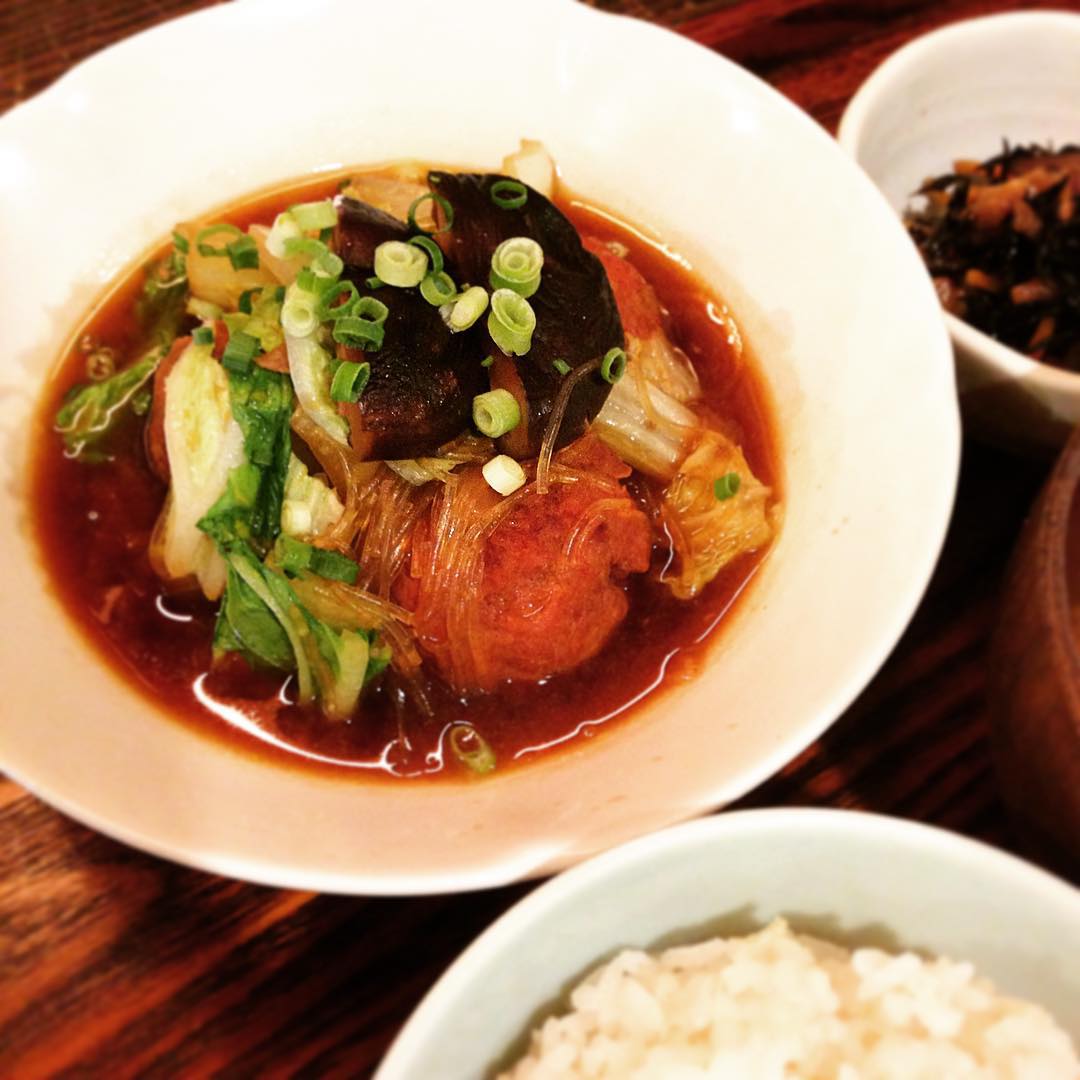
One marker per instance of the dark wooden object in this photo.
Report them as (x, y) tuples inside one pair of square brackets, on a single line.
[(113, 963)]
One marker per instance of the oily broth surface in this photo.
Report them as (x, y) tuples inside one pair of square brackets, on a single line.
[(94, 523)]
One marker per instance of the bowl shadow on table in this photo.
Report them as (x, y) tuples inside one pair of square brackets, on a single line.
[(916, 743), (1035, 671), (737, 922)]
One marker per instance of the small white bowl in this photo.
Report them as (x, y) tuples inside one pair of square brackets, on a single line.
[(957, 93), (857, 879)]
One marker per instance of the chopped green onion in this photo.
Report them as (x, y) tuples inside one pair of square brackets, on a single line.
[(324, 263), (431, 249), (243, 254), (516, 265), (328, 264), (328, 306), (298, 315), (303, 245), (374, 282), (314, 216), (281, 232), (487, 361), (613, 366), (202, 309), (350, 380), (495, 413), (504, 474), (725, 486), (202, 335), (471, 748), (180, 242), (279, 294), (511, 322), (239, 352), (509, 194), (244, 303), (465, 310), (367, 307), (203, 235), (358, 333), (439, 201), (438, 289), (400, 264), (561, 366)]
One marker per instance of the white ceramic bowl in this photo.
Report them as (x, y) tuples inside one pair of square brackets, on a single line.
[(956, 93), (773, 215), (856, 879)]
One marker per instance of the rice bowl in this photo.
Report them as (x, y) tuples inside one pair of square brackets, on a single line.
[(858, 881), (777, 1004)]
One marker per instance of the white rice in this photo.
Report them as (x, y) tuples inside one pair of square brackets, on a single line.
[(776, 1006)]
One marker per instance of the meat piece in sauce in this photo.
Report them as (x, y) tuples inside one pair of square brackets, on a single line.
[(531, 585)]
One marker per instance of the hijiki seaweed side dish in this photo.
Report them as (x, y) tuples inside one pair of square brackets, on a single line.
[(413, 470), (1001, 239)]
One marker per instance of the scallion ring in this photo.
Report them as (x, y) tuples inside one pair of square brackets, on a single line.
[(438, 289), (349, 380), (332, 306), (511, 322), (239, 352), (400, 264), (202, 335), (509, 194), (613, 366), (314, 216), (243, 253), (516, 265), (299, 317), (180, 242), (495, 413), (431, 249), (465, 310), (503, 474), (358, 333), (281, 232), (367, 307), (327, 264), (309, 282), (561, 366), (471, 748), (215, 250), (725, 486), (439, 201), (324, 263)]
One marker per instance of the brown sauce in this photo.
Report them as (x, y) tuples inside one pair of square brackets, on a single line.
[(94, 522)]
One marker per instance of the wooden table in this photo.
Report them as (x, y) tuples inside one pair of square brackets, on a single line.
[(113, 963)]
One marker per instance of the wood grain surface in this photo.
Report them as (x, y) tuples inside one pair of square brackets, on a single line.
[(114, 963)]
